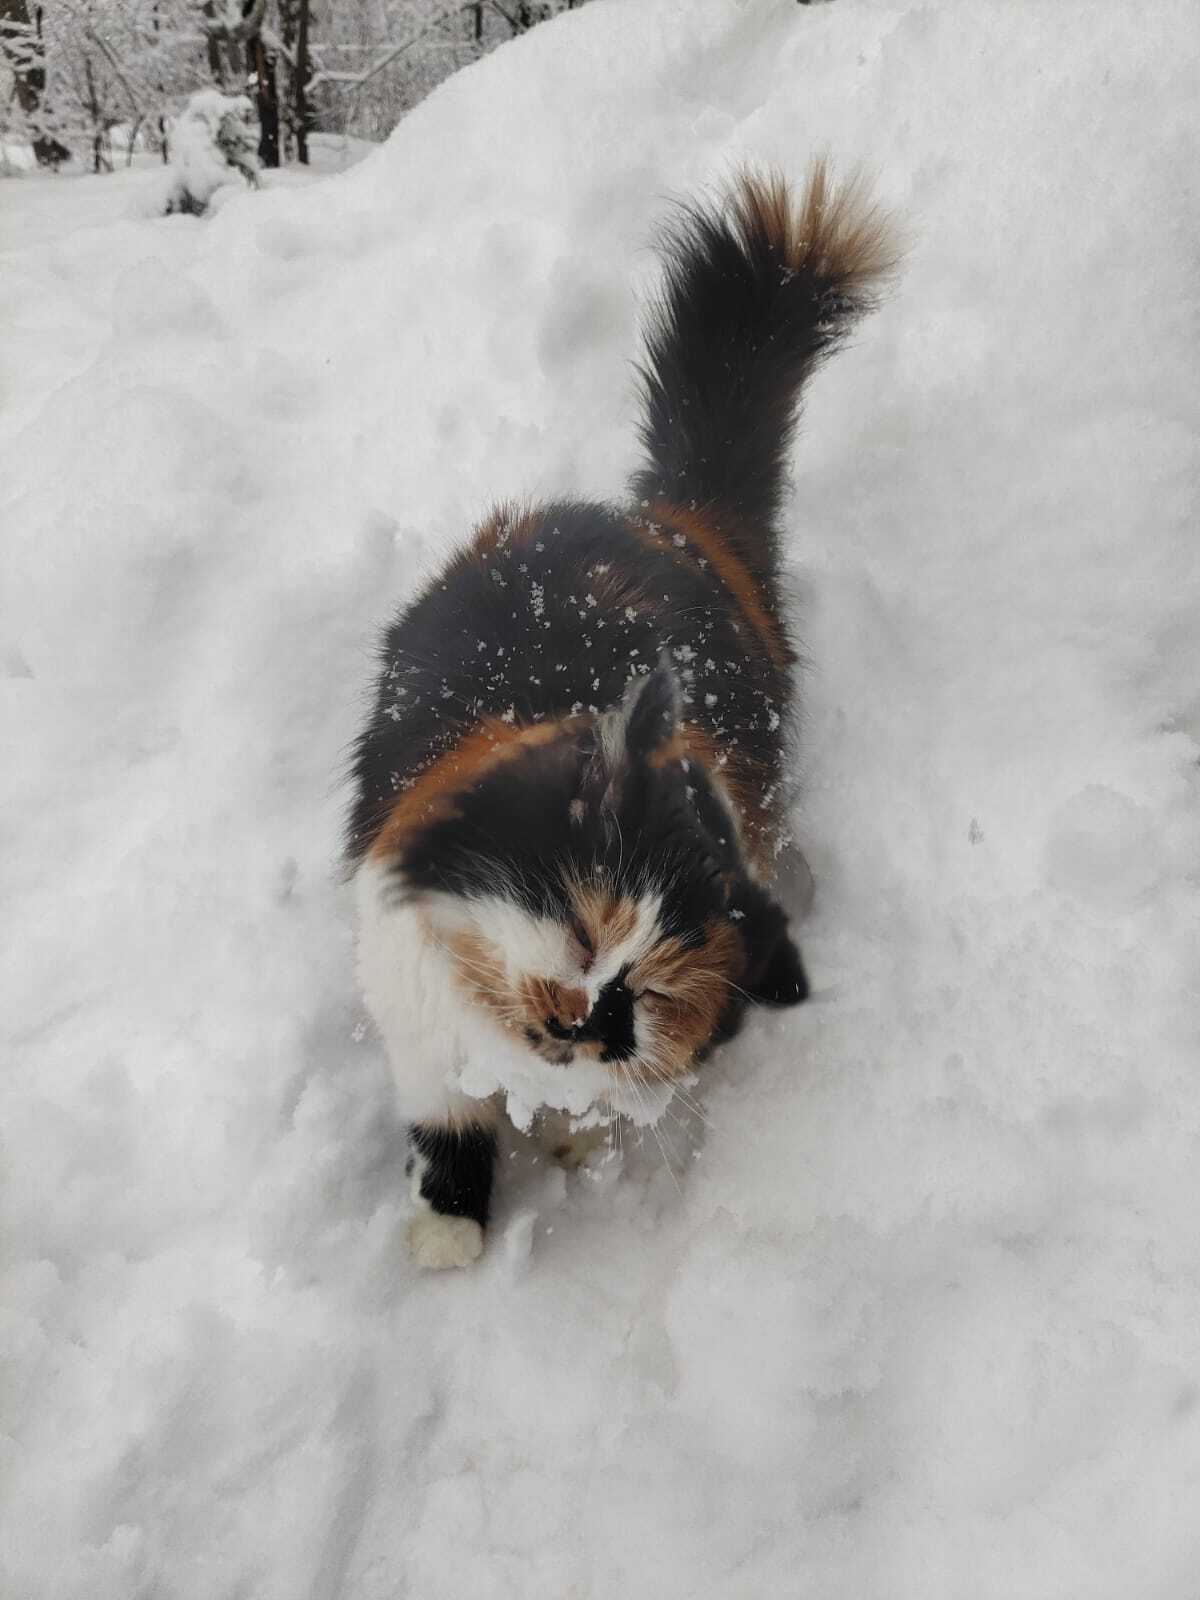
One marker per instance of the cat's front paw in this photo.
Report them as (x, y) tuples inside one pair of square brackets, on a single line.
[(437, 1240), (570, 1146), (573, 1149)]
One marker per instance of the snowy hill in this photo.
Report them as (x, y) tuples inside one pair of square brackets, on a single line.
[(912, 1314)]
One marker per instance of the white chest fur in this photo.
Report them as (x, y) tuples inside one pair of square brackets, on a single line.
[(409, 989)]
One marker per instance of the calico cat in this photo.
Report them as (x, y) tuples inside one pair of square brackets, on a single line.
[(567, 801)]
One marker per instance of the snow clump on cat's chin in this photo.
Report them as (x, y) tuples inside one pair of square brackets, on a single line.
[(587, 1089)]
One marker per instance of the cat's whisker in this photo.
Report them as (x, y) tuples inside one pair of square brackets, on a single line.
[(658, 1070), (653, 1125)]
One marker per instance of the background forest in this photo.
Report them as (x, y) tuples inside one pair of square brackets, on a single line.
[(96, 80)]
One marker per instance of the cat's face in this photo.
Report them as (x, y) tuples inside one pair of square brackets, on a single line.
[(610, 981), (600, 908)]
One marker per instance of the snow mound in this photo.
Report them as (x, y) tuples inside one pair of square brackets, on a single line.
[(908, 1306)]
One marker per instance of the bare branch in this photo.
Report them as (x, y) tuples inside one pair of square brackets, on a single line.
[(105, 50), (273, 42), (354, 81), (231, 26)]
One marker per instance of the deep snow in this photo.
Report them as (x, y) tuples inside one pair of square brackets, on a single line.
[(916, 1316)]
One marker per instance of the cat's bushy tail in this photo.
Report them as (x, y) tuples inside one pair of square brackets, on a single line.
[(757, 292)]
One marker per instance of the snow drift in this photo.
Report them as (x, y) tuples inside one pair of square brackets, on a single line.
[(912, 1310)]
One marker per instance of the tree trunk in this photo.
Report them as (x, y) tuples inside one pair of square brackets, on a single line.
[(212, 44), (263, 62), (97, 120), (227, 60), (22, 54), (300, 93)]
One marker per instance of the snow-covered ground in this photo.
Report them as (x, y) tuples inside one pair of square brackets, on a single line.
[(917, 1314)]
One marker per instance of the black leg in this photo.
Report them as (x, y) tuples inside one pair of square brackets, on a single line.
[(456, 1168)]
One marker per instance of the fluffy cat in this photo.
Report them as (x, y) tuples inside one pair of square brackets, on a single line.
[(567, 797)]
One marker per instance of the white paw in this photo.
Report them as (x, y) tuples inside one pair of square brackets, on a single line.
[(439, 1241), (570, 1146), (572, 1151)]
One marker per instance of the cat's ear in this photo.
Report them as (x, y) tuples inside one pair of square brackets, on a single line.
[(630, 736), (644, 722), (774, 974), (650, 712)]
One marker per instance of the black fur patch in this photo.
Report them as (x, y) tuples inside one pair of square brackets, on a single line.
[(782, 981), (457, 1178), (736, 333), (514, 835), (775, 973), (553, 623), (612, 1021)]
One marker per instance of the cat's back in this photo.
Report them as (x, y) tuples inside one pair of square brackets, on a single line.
[(545, 614)]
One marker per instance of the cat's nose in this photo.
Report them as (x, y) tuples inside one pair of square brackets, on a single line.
[(559, 1030), (571, 1010)]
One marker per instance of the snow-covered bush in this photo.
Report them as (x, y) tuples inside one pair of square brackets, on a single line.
[(214, 141)]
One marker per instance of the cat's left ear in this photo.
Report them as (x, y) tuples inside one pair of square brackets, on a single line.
[(649, 714), (775, 974), (630, 736)]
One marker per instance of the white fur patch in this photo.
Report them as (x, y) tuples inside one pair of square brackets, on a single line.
[(539, 947), (440, 1241), (643, 937), (409, 990), (536, 947)]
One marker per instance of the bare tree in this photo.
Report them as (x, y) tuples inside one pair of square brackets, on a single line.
[(93, 74), (364, 83), (238, 52), (294, 47), (24, 55)]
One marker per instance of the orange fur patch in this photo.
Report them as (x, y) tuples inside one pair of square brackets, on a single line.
[(431, 795), (480, 970), (734, 773), (689, 991), (543, 997), (835, 230), (618, 589), (607, 919), (510, 523), (478, 964), (701, 531)]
